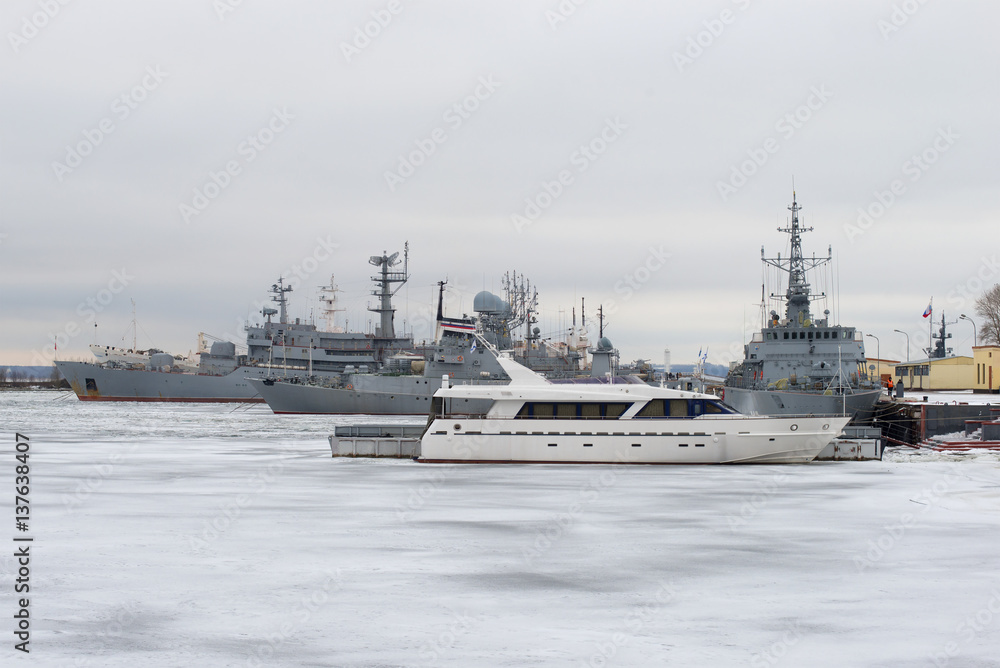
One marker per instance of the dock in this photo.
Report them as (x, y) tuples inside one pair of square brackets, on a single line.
[(396, 441), (854, 444)]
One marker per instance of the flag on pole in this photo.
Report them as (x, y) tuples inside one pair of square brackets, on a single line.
[(929, 309)]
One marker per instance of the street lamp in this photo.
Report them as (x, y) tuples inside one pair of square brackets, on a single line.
[(899, 331), (878, 354), (965, 317)]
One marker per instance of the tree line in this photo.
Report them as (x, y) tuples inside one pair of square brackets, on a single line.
[(12, 377)]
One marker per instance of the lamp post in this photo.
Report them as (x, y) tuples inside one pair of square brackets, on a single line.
[(965, 317), (878, 354), (899, 331)]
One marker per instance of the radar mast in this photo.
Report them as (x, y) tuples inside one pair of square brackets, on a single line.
[(384, 281), (797, 294)]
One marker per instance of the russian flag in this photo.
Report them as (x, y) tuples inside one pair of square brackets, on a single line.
[(928, 310)]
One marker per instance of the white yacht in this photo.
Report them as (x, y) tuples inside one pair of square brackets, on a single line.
[(535, 420)]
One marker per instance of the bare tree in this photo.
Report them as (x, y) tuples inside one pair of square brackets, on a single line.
[(988, 309)]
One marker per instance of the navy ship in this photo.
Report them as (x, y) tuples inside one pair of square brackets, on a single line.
[(404, 386), (221, 374), (799, 364)]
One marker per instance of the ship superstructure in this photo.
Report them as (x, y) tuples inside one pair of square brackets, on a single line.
[(405, 385)]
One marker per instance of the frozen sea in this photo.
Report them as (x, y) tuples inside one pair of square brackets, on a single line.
[(215, 535)]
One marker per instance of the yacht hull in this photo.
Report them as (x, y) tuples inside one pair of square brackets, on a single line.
[(710, 440)]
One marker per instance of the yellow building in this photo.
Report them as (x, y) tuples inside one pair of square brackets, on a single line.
[(884, 369), (986, 360), (945, 373)]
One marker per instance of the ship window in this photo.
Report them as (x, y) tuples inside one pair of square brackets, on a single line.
[(715, 407), (540, 411), (810, 336), (654, 409), (678, 408), (566, 411), (697, 407), (613, 411), (571, 410), (786, 335)]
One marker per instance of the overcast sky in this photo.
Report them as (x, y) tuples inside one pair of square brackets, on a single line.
[(185, 154)]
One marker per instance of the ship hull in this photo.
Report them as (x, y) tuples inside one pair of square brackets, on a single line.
[(723, 440), (91, 382), (402, 395), (858, 405)]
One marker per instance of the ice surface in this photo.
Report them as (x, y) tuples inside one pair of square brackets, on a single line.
[(953, 397), (200, 535)]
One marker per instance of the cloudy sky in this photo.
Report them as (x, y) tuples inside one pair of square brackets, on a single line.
[(184, 155)]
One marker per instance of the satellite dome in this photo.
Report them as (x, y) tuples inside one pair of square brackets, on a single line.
[(604, 343), (487, 302)]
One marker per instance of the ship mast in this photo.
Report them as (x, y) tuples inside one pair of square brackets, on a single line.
[(938, 349), (278, 291), (385, 292), (329, 299), (797, 294), (523, 301)]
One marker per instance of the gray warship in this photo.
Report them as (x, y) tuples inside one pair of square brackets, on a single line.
[(404, 386), (797, 364), (286, 348)]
